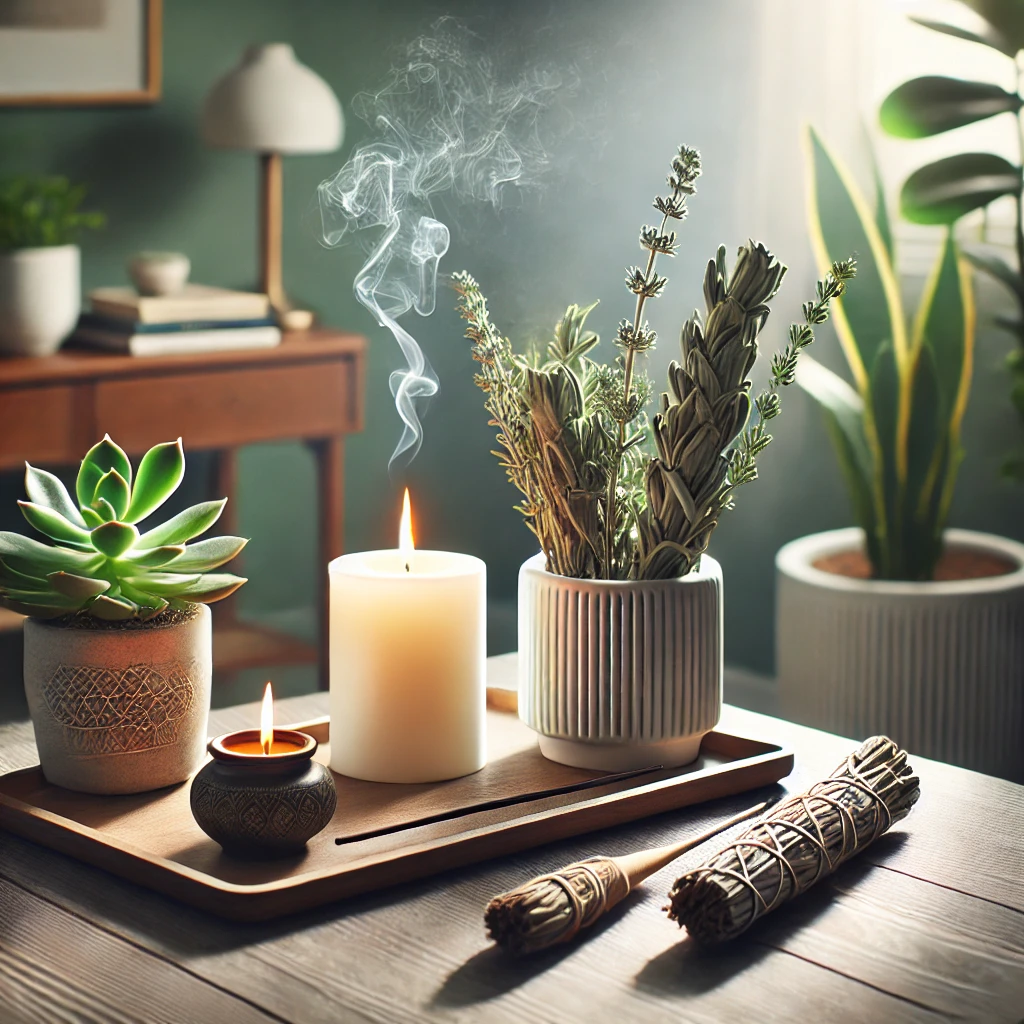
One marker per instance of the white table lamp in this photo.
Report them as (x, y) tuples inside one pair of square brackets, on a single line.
[(271, 104)]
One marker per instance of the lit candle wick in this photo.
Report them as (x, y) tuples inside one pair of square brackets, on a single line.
[(267, 720), (406, 545)]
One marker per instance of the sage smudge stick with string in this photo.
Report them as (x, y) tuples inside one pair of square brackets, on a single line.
[(804, 839)]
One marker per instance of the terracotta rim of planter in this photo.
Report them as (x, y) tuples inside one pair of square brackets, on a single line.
[(796, 559)]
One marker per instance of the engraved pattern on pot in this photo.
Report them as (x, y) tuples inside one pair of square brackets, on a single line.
[(273, 813), (110, 711)]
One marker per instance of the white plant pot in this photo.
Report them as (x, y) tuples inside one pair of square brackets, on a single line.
[(40, 298), (620, 675), (938, 666), (119, 710)]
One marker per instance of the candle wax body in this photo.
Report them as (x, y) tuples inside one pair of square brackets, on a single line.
[(408, 674)]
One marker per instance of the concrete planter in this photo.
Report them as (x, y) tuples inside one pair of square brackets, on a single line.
[(937, 666), (620, 675), (119, 710), (40, 298)]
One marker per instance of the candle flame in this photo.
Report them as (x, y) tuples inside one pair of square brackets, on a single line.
[(267, 720), (405, 539)]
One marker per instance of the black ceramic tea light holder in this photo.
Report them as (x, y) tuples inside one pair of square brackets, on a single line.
[(260, 805)]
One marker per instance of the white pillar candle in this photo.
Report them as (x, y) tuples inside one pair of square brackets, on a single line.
[(408, 679)]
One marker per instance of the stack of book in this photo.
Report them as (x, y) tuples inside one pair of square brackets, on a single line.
[(196, 319)]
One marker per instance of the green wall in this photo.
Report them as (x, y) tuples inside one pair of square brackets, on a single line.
[(652, 74)]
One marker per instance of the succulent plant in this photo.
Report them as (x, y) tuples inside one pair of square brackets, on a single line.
[(99, 563)]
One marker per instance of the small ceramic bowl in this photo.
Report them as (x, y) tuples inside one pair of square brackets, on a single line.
[(159, 273), (263, 805)]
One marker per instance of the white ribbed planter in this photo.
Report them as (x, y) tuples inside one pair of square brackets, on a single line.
[(620, 675), (939, 667)]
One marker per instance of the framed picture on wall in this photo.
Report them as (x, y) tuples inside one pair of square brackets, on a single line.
[(79, 52)]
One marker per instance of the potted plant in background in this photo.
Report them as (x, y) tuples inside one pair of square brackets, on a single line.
[(900, 626), (118, 641), (620, 615), (40, 266), (945, 190)]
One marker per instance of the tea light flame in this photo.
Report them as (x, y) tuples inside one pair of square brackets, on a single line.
[(406, 546), (267, 720)]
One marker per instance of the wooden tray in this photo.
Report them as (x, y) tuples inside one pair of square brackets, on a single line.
[(392, 833)]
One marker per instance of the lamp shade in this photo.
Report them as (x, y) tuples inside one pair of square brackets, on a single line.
[(270, 103)]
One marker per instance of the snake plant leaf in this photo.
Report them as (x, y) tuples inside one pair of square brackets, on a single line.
[(153, 558), (33, 557), (163, 584), (113, 489), (996, 267), (984, 34), (934, 104), (843, 409), (943, 191), (207, 554), (213, 586), (882, 210), (54, 525), (1006, 17), (112, 609), (841, 222), (160, 472), (114, 539), (100, 459), (45, 489), (185, 525), (77, 587), (926, 443)]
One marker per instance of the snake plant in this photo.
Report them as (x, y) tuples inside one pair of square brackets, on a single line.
[(896, 430), (98, 562)]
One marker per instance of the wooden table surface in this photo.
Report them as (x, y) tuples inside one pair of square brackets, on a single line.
[(927, 925)]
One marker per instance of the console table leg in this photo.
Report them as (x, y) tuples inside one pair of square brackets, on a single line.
[(330, 462)]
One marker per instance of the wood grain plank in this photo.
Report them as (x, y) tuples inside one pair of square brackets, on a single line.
[(57, 967)]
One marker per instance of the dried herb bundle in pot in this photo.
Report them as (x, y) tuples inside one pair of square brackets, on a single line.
[(620, 617), (574, 433)]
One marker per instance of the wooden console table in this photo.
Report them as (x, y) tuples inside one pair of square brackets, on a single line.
[(309, 388)]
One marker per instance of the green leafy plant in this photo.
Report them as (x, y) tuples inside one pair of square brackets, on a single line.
[(43, 211), (896, 430), (608, 494), (99, 563), (944, 191)]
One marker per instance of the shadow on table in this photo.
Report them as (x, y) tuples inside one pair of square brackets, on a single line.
[(492, 973), (689, 969)]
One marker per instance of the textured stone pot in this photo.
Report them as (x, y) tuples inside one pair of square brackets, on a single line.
[(40, 298), (939, 666), (619, 675), (119, 710)]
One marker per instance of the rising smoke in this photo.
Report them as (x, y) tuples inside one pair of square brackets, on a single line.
[(446, 121)]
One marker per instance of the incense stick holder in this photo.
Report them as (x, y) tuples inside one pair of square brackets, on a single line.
[(262, 805)]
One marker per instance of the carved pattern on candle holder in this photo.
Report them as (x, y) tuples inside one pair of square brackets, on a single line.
[(278, 813), (110, 711)]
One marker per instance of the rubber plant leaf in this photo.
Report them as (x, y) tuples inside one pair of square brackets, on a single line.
[(160, 472), (984, 34), (943, 191), (934, 104), (44, 488)]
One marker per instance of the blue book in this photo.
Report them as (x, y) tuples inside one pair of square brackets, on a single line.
[(119, 325)]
